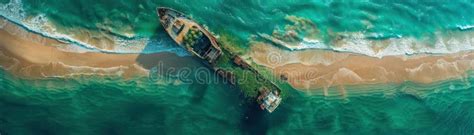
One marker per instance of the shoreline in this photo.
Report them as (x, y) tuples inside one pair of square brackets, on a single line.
[(31, 55), (82, 40), (28, 54), (47, 61), (343, 42), (302, 34), (314, 70)]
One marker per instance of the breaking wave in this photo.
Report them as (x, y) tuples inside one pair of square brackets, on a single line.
[(40, 24)]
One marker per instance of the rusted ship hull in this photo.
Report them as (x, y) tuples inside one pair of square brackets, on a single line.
[(190, 35), (201, 43)]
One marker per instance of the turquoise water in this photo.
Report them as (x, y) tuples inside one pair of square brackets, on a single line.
[(378, 18), (114, 105)]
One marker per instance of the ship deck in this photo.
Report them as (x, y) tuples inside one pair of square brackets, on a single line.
[(242, 74)]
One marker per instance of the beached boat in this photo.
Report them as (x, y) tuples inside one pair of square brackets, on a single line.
[(190, 35), (200, 42)]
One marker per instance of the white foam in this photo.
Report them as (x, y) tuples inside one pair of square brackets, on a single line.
[(40, 24), (305, 44), (72, 48), (358, 43), (355, 44), (311, 43), (465, 27)]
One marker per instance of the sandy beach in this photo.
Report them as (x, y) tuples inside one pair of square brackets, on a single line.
[(30, 55), (33, 56), (311, 70), (27, 54)]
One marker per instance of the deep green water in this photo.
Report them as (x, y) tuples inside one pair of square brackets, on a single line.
[(114, 105)]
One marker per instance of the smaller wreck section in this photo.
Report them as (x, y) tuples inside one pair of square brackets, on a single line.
[(268, 99), (252, 83)]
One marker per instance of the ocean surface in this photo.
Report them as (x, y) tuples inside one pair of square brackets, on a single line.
[(112, 105), (134, 23), (92, 104)]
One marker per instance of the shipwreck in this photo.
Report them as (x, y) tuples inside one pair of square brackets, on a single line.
[(201, 43)]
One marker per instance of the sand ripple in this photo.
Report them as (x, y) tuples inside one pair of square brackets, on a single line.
[(316, 69)]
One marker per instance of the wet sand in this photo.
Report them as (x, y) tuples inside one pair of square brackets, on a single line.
[(33, 56), (312, 70)]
